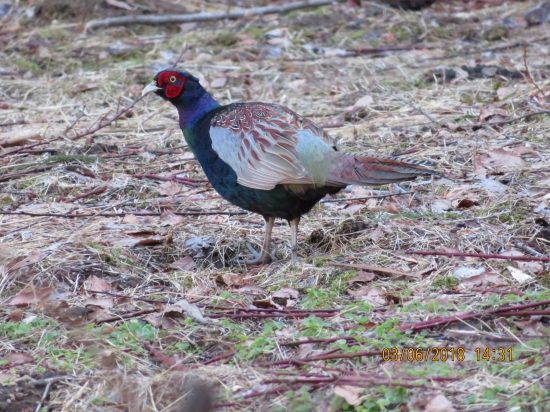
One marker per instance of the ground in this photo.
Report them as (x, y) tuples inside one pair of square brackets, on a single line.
[(122, 283)]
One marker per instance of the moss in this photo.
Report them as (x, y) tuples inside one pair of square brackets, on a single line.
[(25, 64), (320, 261), (54, 33), (255, 32), (340, 283), (445, 282), (226, 38), (517, 214), (6, 200)]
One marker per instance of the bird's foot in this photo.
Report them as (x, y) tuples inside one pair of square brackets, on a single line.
[(260, 257)]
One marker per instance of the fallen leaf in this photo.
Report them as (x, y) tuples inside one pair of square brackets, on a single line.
[(465, 272), (218, 82), (17, 358), (139, 220), (250, 290), (93, 283), (160, 321), (186, 263), (105, 303), (31, 297), (231, 279), (519, 275), (362, 276), (136, 241), (6, 377), (286, 297), (168, 218), (441, 205), (169, 189), (439, 403), (492, 112), (192, 311), (532, 327), (108, 359), (349, 393), (372, 295), (34, 257), (500, 160), (484, 279)]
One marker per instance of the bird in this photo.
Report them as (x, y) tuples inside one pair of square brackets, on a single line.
[(267, 159)]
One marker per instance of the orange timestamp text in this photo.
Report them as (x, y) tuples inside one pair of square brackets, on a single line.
[(394, 354)]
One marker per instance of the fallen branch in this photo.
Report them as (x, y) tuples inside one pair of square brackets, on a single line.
[(458, 127), (121, 214), (322, 357), (506, 310), (167, 360), (479, 255), (152, 19), (183, 180), (15, 139), (374, 269), (220, 357), (87, 194), (14, 176), (366, 197), (126, 316)]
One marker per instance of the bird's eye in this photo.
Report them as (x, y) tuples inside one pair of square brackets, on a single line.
[(172, 79)]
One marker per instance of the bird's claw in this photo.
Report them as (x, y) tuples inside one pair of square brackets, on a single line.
[(260, 257)]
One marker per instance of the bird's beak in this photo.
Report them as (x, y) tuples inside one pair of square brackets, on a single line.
[(151, 87)]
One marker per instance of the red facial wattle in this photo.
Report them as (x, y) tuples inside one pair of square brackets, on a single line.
[(172, 83)]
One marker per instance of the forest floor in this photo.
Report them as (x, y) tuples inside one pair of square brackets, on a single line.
[(122, 285)]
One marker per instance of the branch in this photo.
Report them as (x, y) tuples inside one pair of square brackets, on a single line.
[(199, 17), (366, 197), (479, 255), (505, 310), (121, 214), (495, 123)]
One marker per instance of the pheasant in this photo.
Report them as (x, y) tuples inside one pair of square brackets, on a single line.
[(269, 160)]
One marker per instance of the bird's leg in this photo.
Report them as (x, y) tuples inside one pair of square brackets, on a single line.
[(294, 236), (264, 255)]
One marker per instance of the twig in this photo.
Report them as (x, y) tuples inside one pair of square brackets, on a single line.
[(508, 310), (220, 357), (374, 269), (308, 341), (167, 360), (53, 379), (321, 357), (497, 123), (366, 197), (199, 17), (479, 255), (528, 249), (414, 107), (13, 176), (87, 194), (126, 316), (44, 396), (185, 48), (97, 214), (122, 214), (183, 180)]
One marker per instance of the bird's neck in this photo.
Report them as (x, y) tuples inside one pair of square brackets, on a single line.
[(193, 105)]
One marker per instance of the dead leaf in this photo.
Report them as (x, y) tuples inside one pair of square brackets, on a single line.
[(501, 160), (31, 297), (372, 295), (441, 205), (168, 218), (483, 280), (200, 291), (532, 327), (169, 189), (34, 257), (93, 283), (17, 358), (459, 204), (250, 290), (231, 279), (186, 264), (362, 276), (286, 297), (465, 272), (192, 311), (16, 315), (6, 377), (519, 275), (105, 303), (349, 393), (108, 359), (136, 241), (218, 82), (160, 321), (139, 220), (492, 112), (439, 403), (119, 4)]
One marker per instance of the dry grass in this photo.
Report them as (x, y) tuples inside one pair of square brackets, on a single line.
[(53, 79)]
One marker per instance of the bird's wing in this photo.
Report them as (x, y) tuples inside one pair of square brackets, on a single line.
[(268, 145)]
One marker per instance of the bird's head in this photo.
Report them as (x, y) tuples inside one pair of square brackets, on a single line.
[(171, 84)]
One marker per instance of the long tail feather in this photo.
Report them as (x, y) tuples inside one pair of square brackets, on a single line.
[(373, 170)]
